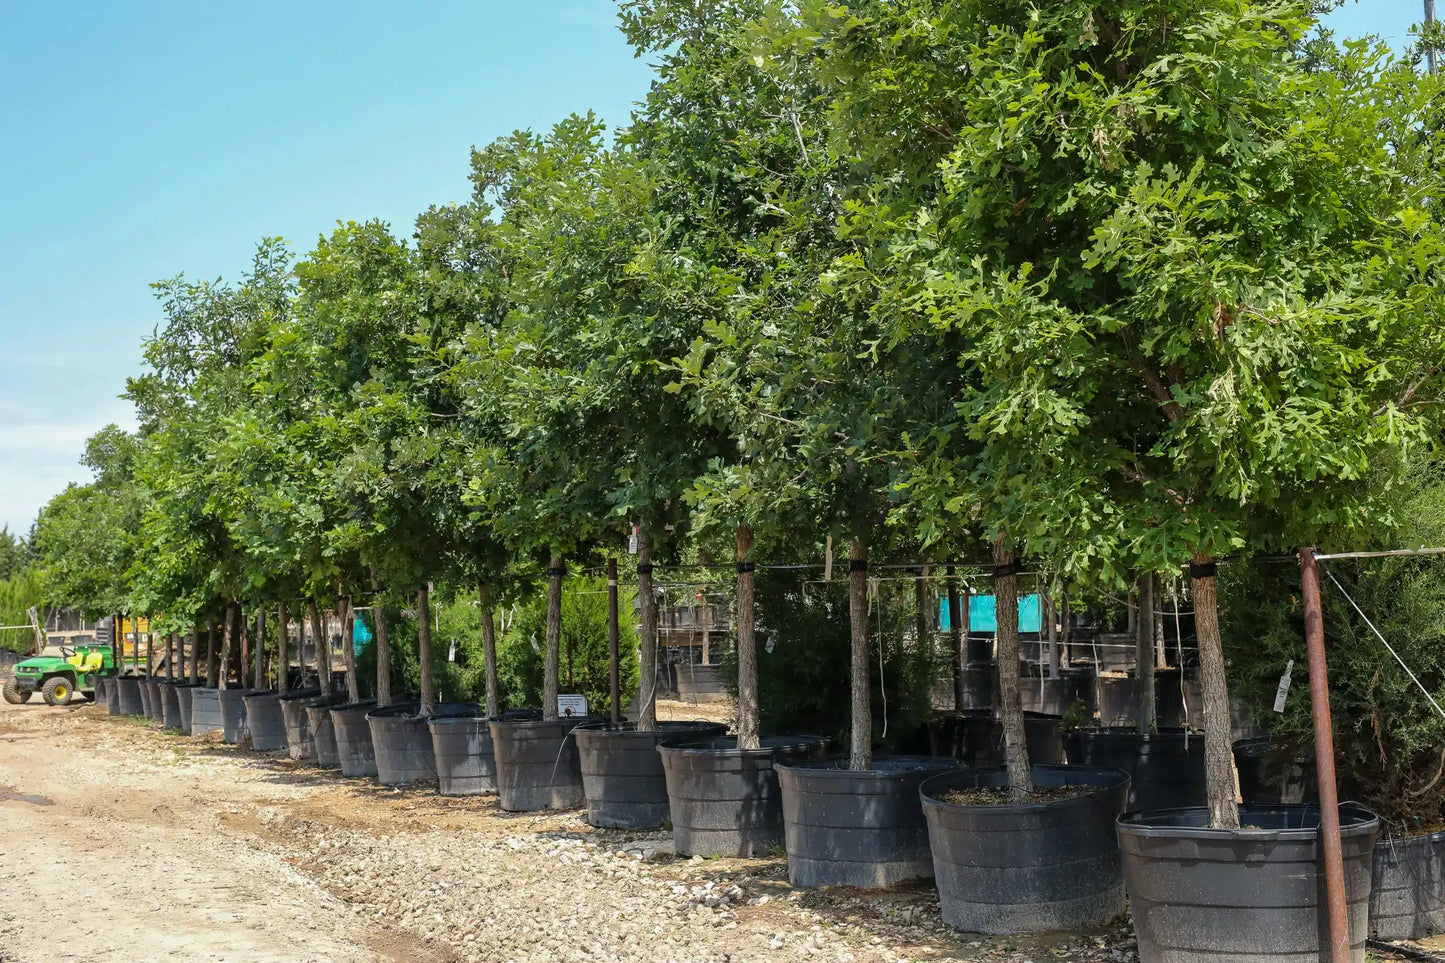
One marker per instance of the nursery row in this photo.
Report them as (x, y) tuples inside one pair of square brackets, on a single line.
[(1113, 811)]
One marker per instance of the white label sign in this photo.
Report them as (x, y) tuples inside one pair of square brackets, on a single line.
[(571, 706), (1283, 690)]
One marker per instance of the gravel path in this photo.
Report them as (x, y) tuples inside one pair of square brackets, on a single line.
[(144, 845)]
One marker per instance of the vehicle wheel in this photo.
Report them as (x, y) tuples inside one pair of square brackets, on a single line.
[(13, 695), (57, 691)]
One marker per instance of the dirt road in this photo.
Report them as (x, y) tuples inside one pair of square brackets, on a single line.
[(119, 842)]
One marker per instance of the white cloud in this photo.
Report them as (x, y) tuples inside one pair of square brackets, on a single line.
[(38, 459)]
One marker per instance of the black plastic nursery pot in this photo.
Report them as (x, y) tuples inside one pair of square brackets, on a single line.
[(170, 706), (100, 689), (206, 711), (264, 720), (1201, 895), (1165, 767), (185, 696), (1271, 775), (701, 683), (622, 777), (1057, 695), (112, 696), (148, 701), (354, 753), (857, 828), (1407, 895), (538, 766), (725, 801), (975, 738), (466, 763), (323, 732), (233, 714), (979, 679), (298, 726), (129, 689), (156, 709), (1027, 867), (401, 741)]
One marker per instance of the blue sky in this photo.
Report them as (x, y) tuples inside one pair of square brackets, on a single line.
[(143, 139)]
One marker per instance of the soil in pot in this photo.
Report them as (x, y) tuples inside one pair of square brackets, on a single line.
[(233, 714), (401, 741), (264, 720), (857, 828), (1027, 867), (129, 699), (354, 753), (1272, 775), (206, 711), (1407, 896), (466, 762), (185, 695), (725, 801), (170, 706), (1166, 767), (323, 733), (622, 777), (538, 766), (298, 726), (1202, 895)]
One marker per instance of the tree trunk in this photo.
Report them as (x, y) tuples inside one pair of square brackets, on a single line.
[(260, 671), (489, 656), (423, 641), (213, 657), (1011, 710), (283, 656), (244, 662), (860, 755), (1218, 753), (348, 650), (957, 640), (322, 645), (647, 634), (747, 645), (195, 673), (150, 655), (1144, 653), (383, 647), (171, 657), (614, 642), (228, 643), (553, 638)]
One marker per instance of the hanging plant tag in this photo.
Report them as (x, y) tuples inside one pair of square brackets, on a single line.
[(1283, 690)]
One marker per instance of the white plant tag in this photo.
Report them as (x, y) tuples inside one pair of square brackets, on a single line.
[(452, 654), (1283, 690), (632, 542), (768, 645)]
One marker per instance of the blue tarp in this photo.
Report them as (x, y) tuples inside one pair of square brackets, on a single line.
[(981, 614), (360, 633)]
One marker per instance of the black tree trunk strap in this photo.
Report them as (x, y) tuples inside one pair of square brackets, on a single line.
[(556, 572), (1004, 571), (1207, 570), (644, 568), (857, 565), (746, 567)]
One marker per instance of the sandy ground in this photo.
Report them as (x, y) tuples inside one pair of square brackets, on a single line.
[(119, 842)]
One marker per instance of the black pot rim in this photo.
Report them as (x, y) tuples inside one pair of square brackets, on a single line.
[(364, 706), (681, 727), (397, 710), (1355, 820), (326, 701), (830, 769), (1166, 734), (685, 746), (543, 723), (259, 693), (927, 788), (476, 714)]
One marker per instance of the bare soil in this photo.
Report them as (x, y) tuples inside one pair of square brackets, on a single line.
[(119, 842)]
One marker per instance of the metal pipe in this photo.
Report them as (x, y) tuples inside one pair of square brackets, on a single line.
[(1392, 552), (1336, 909), (612, 641)]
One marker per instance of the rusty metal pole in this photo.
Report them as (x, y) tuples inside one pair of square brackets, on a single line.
[(1338, 912), (612, 640)]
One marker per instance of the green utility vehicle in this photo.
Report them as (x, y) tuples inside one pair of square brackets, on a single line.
[(59, 678)]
